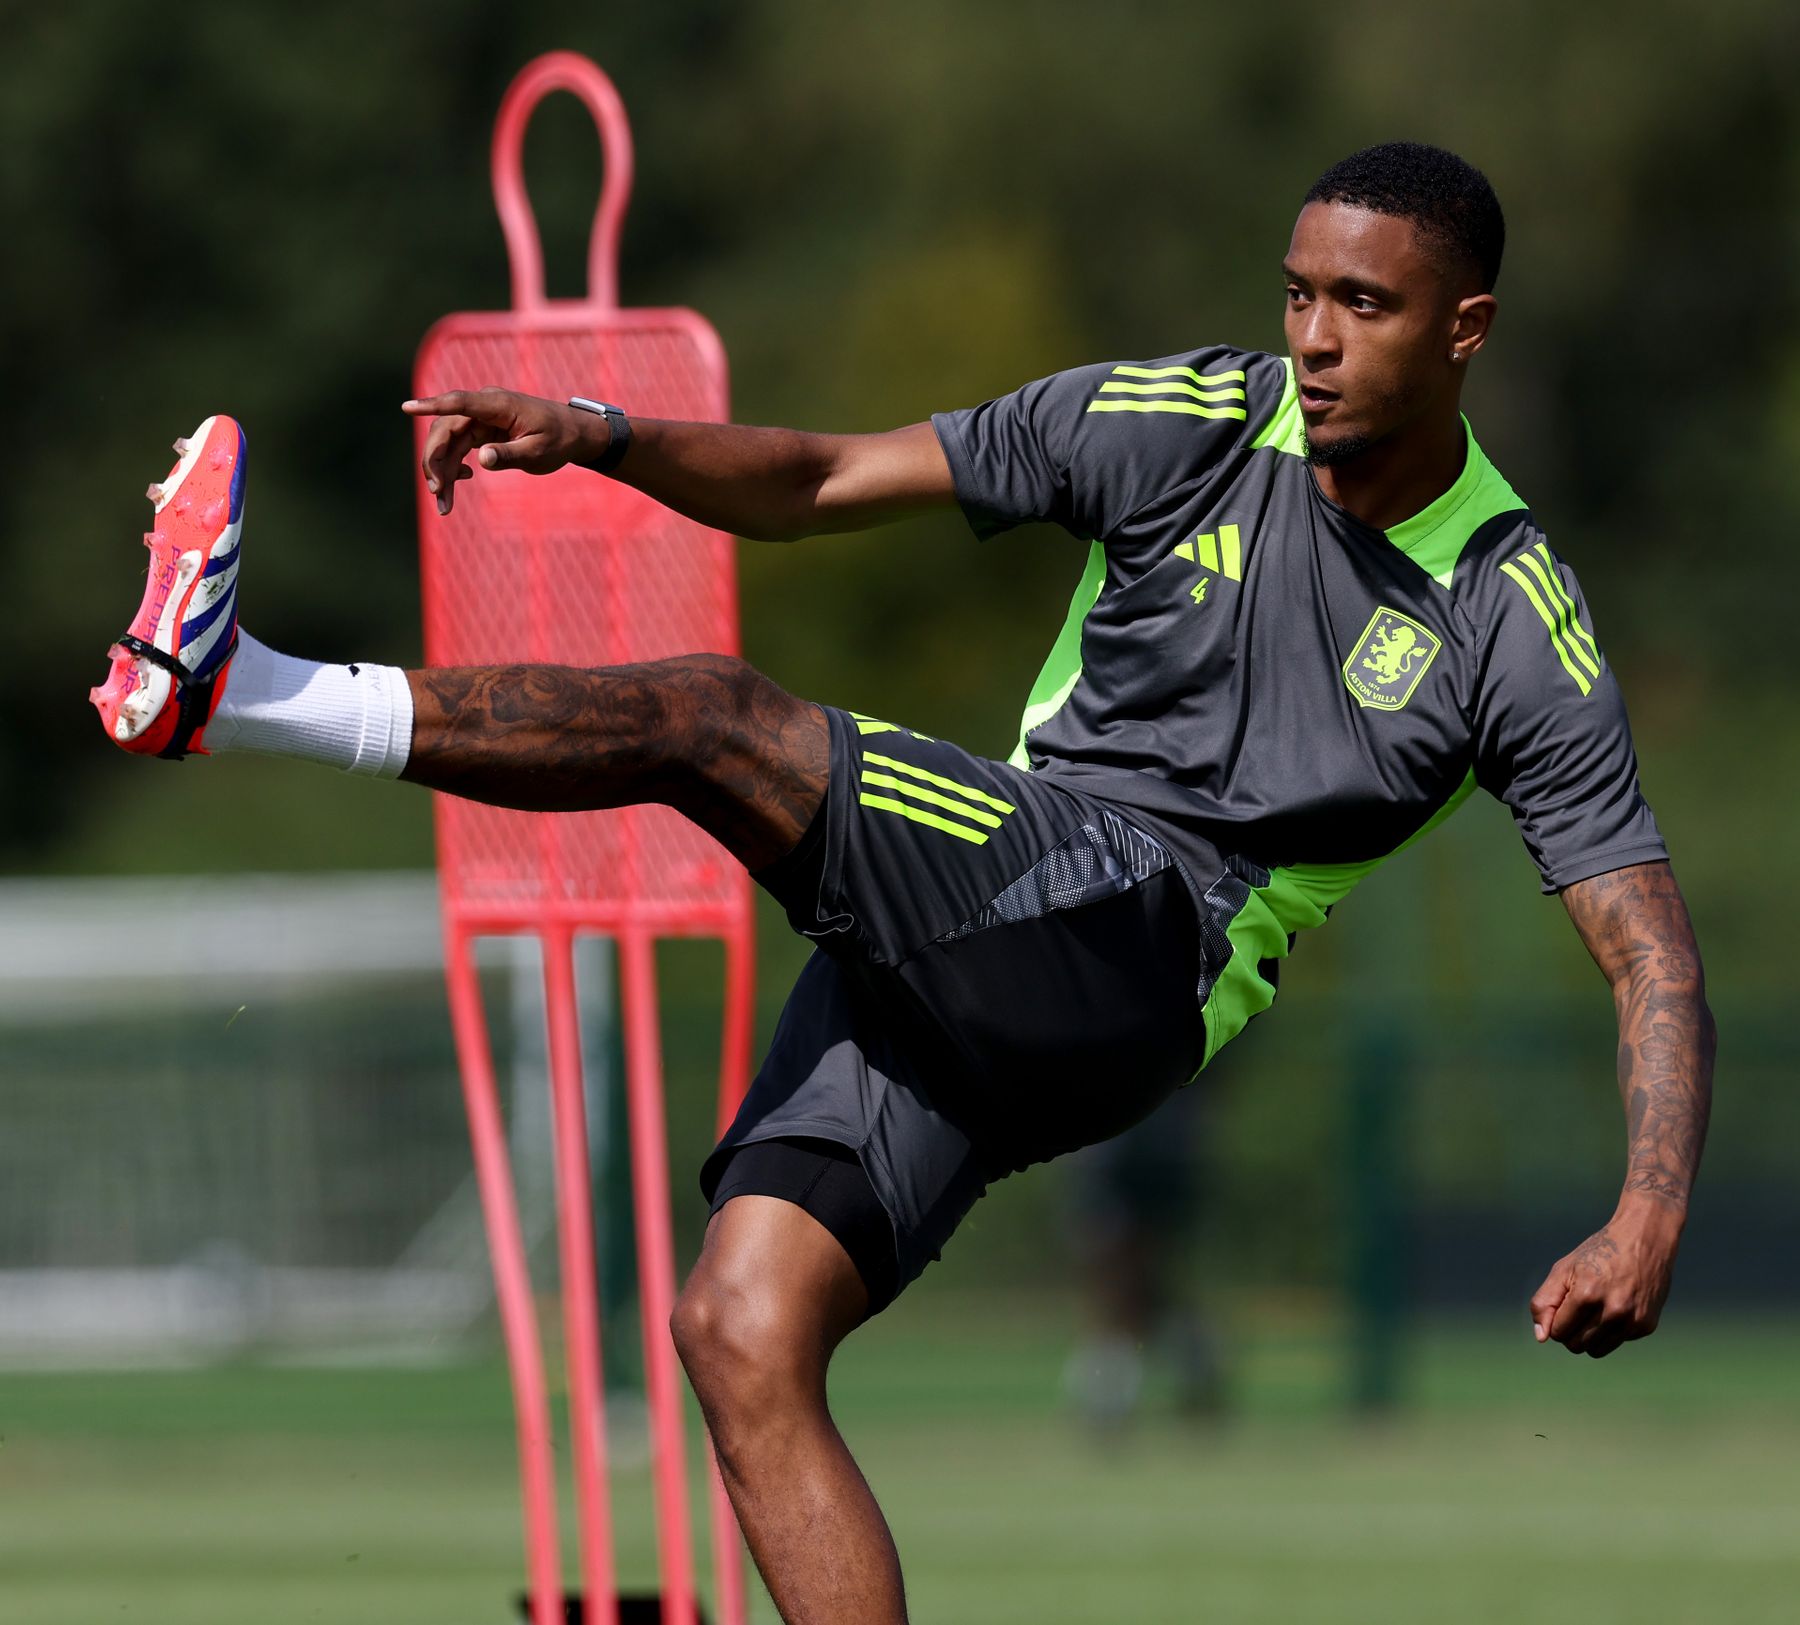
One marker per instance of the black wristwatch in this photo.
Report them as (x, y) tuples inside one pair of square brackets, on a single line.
[(618, 427)]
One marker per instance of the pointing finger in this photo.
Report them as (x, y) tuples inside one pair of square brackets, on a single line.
[(432, 406)]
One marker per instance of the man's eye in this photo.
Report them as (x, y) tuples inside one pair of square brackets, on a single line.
[(1363, 304), (1294, 294)]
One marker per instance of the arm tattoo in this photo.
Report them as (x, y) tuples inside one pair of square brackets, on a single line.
[(1636, 926)]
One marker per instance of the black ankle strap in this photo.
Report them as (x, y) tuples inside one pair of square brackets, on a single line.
[(193, 694), (149, 651)]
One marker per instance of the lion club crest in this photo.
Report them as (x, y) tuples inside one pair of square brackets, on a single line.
[(1389, 659)]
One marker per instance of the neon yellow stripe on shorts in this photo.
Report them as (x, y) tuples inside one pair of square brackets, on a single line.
[(940, 781), (918, 792), (919, 816)]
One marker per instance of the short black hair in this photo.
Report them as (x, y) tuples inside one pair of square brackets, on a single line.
[(1446, 198)]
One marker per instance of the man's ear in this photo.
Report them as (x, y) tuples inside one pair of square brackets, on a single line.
[(1474, 317)]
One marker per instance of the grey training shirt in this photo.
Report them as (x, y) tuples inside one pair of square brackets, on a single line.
[(1300, 691)]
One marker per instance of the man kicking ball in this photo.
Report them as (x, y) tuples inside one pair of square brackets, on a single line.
[(1314, 618)]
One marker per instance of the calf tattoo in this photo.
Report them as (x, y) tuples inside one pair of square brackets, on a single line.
[(1635, 924), (706, 734)]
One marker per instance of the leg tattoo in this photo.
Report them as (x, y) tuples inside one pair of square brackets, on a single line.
[(706, 734)]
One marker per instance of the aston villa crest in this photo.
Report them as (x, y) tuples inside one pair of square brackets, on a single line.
[(1389, 659)]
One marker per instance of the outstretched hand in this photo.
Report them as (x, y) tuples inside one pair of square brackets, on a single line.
[(502, 428), (1611, 1289)]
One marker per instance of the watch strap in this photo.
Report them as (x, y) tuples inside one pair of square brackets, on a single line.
[(618, 431)]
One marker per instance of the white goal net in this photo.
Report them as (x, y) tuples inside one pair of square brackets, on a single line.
[(231, 1122)]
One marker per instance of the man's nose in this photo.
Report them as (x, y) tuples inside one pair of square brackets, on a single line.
[(1318, 338)]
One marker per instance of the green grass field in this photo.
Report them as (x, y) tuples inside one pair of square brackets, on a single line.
[(1659, 1487)]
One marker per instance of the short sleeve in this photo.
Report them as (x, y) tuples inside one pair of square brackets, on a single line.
[(1551, 736), (1085, 449)]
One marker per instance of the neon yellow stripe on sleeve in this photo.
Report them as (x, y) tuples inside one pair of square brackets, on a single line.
[(1205, 380), (1169, 406), (1582, 635), (1549, 620), (1564, 607), (1174, 385)]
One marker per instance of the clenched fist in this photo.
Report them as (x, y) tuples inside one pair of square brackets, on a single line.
[(1611, 1289)]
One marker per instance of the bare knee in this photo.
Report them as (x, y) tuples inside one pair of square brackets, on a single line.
[(733, 1341), (722, 674), (731, 699), (752, 1383)]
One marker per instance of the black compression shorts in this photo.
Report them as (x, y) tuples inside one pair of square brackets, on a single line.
[(1007, 968), (826, 1180)]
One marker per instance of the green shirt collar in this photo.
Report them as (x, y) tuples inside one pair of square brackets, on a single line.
[(1436, 535)]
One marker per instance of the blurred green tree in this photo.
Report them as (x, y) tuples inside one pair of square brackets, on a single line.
[(885, 210)]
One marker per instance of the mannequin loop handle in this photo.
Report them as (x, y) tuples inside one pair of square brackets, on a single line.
[(561, 70)]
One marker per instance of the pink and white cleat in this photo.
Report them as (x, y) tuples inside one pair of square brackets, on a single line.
[(169, 670)]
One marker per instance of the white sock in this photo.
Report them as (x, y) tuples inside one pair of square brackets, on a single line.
[(355, 717)]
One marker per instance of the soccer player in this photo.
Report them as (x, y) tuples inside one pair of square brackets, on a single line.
[(1314, 618)]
